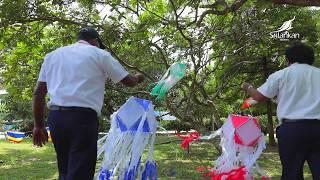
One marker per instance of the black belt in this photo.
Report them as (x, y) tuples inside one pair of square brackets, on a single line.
[(300, 120), (71, 108)]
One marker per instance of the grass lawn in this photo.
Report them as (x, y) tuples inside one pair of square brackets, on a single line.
[(24, 162)]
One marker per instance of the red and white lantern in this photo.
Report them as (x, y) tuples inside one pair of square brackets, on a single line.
[(242, 143)]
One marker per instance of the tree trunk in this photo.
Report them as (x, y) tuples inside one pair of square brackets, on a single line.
[(272, 141), (298, 2), (216, 123)]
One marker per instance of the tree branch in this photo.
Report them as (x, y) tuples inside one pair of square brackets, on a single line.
[(298, 2), (234, 7), (164, 59), (130, 66)]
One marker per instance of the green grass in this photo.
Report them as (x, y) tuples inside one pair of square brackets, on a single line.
[(24, 162)]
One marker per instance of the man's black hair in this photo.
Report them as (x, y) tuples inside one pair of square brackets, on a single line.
[(300, 53)]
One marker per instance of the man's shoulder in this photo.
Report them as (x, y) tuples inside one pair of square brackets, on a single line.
[(303, 67), (286, 69), (95, 50), (84, 49), (63, 48), (101, 51), (315, 68), (279, 73)]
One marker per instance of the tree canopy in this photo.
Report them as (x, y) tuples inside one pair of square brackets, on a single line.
[(226, 42)]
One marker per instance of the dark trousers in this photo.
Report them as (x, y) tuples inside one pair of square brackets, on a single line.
[(74, 135), (299, 142)]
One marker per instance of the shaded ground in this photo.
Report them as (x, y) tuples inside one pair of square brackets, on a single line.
[(24, 162)]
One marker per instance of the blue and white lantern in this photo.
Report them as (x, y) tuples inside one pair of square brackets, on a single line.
[(133, 128)]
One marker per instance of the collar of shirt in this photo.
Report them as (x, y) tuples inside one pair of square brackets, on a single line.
[(296, 63), (83, 42)]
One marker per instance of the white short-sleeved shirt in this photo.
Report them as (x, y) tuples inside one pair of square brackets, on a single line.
[(297, 88), (76, 75)]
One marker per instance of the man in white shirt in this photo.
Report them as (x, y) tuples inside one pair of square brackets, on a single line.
[(297, 88), (74, 77)]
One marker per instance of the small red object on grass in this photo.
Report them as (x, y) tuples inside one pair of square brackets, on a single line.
[(188, 139)]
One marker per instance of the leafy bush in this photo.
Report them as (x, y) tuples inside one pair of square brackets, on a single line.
[(175, 125)]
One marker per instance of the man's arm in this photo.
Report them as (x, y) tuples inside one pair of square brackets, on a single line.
[(253, 92), (132, 80), (38, 105)]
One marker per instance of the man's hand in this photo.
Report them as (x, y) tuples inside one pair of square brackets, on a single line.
[(140, 77), (133, 80), (245, 86), (39, 136), (253, 92)]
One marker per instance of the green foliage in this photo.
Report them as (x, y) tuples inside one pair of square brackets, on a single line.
[(263, 122), (223, 49), (175, 125)]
